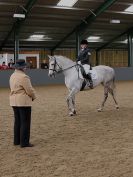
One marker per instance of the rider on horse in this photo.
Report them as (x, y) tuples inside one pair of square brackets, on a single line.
[(84, 59)]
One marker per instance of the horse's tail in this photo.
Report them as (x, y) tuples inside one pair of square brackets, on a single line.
[(113, 84)]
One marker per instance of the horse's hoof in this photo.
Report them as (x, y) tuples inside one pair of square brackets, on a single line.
[(99, 109), (117, 107), (74, 112), (71, 114)]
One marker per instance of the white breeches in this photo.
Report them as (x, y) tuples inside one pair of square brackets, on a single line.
[(86, 68)]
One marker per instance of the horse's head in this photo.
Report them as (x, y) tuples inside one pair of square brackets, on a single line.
[(53, 66)]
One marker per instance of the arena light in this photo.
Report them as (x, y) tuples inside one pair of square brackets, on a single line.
[(37, 36), (116, 21), (66, 3), (129, 9), (126, 41), (19, 15), (94, 39)]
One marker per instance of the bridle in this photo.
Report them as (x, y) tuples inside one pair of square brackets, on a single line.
[(60, 68), (54, 64)]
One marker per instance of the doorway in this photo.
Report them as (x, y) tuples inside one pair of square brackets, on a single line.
[(32, 62)]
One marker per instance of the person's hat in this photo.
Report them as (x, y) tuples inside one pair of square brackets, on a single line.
[(84, 41), (20, 64)]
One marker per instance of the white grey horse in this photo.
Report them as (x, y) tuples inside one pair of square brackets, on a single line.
[(104, 75)]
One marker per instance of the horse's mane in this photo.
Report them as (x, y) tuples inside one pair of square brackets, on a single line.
[(67, 60)]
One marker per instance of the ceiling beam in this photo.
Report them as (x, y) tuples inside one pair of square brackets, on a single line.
[(9, 4), (17, 24), (50, 6), (88, 20), (113, 39), (102, 8), (118, 3)]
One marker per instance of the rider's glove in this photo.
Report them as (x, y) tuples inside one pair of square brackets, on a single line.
[(79, 62)]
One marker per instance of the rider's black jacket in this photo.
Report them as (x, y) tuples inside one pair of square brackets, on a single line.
[(84, 56)]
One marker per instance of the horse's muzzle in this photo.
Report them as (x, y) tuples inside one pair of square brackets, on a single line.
[(51, 74)]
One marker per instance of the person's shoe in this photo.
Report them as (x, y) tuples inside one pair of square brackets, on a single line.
[(27, 145), (16, 144)]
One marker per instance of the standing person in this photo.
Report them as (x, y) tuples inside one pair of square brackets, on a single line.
[(21, 96), (44, 65), (84, 59), (10, 64)]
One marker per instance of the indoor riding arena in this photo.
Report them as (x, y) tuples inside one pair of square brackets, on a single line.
[(88, 143)]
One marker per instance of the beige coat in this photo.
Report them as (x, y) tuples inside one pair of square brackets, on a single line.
[(22, 92)]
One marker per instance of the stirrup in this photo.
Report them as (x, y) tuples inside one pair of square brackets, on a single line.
[(91, 85)]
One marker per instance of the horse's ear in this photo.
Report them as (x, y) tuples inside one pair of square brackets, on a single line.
[(49, 56)]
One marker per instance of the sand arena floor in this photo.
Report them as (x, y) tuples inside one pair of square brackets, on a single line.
[(92, 144)]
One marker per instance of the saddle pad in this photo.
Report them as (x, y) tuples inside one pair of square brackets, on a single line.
[(93, 74)]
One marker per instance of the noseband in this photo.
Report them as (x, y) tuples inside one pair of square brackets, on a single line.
[(55, 63)]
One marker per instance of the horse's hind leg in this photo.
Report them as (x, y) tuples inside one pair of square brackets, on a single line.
[(105, 97), (113, 93)]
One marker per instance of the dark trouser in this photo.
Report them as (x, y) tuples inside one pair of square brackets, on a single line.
[(22, 123), (89, 78)]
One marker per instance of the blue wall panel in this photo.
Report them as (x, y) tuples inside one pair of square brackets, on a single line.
[(40, 76)]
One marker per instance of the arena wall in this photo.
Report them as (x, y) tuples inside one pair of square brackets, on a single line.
[(40, 76)]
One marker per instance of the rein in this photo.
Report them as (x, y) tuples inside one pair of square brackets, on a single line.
[(67, 68)]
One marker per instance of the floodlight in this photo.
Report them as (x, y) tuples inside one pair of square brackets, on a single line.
[(129, 9), (114, 21), (19, 15), (66, 3)]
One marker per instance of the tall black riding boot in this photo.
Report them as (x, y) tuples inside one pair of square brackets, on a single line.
[(90, 80)]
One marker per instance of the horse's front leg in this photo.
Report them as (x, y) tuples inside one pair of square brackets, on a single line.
[(71, 102)]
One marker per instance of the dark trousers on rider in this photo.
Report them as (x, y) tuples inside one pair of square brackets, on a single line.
[(89, 78), (22, 121)]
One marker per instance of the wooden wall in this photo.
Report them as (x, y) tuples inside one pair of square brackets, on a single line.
[(110, 57), (115, 58), (44, 55), (70, 53)]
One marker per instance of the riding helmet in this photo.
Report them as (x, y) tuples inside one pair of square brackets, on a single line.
[(84, 41)]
